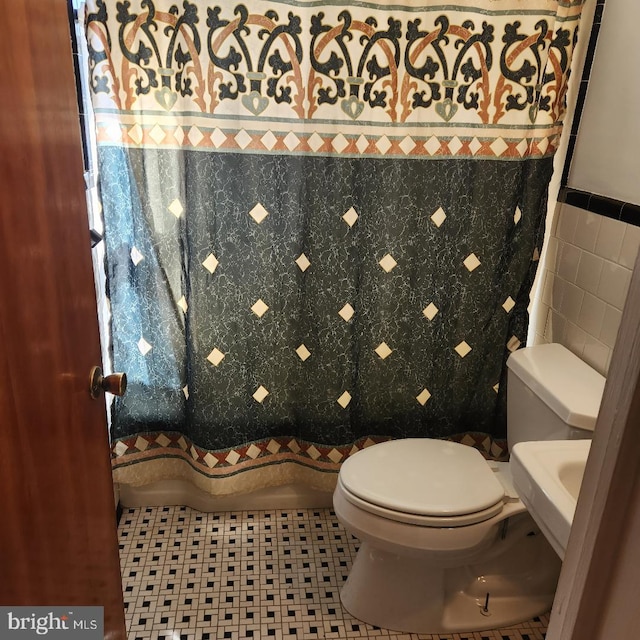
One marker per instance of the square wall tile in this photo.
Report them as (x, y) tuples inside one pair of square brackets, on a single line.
[(596, 354), (540, 318), (630, 244), (571, 302), (610, 237), (555, 328), (587, 230), (567, 222), (592, 315), (568, 261), (614, 284), (575, 338), (589, 272), (610, 326)]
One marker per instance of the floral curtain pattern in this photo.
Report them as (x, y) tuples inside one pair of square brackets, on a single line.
[(322, 223)]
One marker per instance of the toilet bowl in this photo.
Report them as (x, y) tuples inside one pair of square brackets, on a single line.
[(446, 545)]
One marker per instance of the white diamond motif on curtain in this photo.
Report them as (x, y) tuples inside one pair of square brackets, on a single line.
[(162, 440), (303, 352), (176, 208), (513, 344), (259, 308), (350, 217), (474, 146), (291, 141), (499, 146), (195, 136), (315, 142), (339, 143), (463, 349), (294, 446), (273, 447), (388, 263), (303, 262), (362, 144), (344, 400), (407, 145), (383, 350), (211, 263), (269, 140), (141, 443), (430, 311), (260, 394), (517, 216), (423, 396), (508, 304), (496, 387), (210, 460), (135, 133), (438, 216), (455, 145), (232, 457), (383, 144), (136, 256), (313, 452), (217, 137), (243, 139), (143, 346), (253, 452), (185, 390), (432, 145), (522, 146), (120, 449), (471, 262), (215, 357), (258, 213), (335, 456), (346, 313), (182, 303), (157, 134)]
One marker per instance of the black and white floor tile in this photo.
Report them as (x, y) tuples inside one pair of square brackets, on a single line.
[(249, 574)]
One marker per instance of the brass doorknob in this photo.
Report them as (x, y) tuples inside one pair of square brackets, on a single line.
[(116, 383)]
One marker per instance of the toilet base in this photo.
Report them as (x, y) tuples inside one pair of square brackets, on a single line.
[(406, 593)]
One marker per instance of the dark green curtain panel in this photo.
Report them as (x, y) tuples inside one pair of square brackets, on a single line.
[(321, 226)]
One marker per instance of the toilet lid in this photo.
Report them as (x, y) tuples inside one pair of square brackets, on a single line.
[(422, 476)]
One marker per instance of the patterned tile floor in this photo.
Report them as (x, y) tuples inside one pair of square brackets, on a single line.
[(248, 574)]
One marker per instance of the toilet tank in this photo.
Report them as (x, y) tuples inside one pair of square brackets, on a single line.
[(551, 395)]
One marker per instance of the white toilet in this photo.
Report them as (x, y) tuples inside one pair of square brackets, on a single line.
[(446, 544)]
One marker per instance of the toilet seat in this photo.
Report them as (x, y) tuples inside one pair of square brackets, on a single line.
[(433, 483), (422, 521)]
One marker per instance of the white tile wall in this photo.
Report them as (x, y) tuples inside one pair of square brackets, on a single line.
[(587, 274)]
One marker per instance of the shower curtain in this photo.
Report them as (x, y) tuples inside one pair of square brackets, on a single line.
[(322, 223)]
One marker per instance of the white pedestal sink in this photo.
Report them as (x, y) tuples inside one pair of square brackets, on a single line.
[(547, 476)]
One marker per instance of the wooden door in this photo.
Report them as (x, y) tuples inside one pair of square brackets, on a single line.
[(58, 541)]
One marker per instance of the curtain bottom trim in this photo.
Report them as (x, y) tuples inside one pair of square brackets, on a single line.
[(254, 465)]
